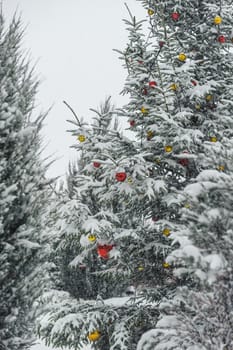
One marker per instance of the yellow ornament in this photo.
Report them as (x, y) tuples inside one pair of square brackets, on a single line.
[(209, 98), (166, 232), (150, 12), (174, 87), (140, 268), (157, 160), (129, 180), (198, 107), (92, 238), (81, 138), (213, 139), (217, 20), (182, 57), (150, 134), (187, 205), (221, 168), (166, 265), (168, 148), (144, 110), (94, 336)]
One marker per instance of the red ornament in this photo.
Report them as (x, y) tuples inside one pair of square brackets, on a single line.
[(140, 62), (161, 43), (144, 91), (221, 39), (103, 250), (184, 161), (121, 176), (96, 164), (82, 266), (155, 218), (194, 82), (175, 16), (132, 122), (152, 84)]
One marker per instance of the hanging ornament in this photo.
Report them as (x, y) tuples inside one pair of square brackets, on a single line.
[(144, 110), (132, 123), (161, 43), (166, 265), (209, 98), (81, 138), (96, 164), (221, 39), (152, 84), (213, 139), (141, 268), (94, 336), (194, 82), (103, 250), (187, 205), (140, 61), (221, 168), (144, 91), (150, 12), (120, 176), (155, 218), (150, 134), (184, 161), (175, 16), (129, 180), (174, 87), (168, 148), (92, 238), (166, 232), (182, 57), (217, 20), (198, 107)]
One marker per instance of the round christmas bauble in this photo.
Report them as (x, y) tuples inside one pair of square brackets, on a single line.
[(129, 180), (166, 265), (144, 110), (152, 84), (194, 82), (150, 12), (132, 123), (174, 87), (120, 176), (209, 98), (198, 107), (161, 43), (221, 39), (96, 164), (103, 250), (213, 139), (150, 134), (168, 148), (187, 205), (94, 336), (81, 138), (184, 161), (221, 168), (175, 16), (217, 20), (166, 232), (145, 91), (140, 268), (92, 238), (182, 57)]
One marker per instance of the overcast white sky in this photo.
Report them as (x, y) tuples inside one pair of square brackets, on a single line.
[(73, 41)]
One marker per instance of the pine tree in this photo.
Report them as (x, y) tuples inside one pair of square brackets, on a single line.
[(22, 193), (179, 110)]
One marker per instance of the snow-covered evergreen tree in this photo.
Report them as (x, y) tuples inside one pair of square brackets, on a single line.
[(22, 193), (161, 192)]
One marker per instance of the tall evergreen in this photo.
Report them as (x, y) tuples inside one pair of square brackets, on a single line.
[(22, 192), (169, 224)]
